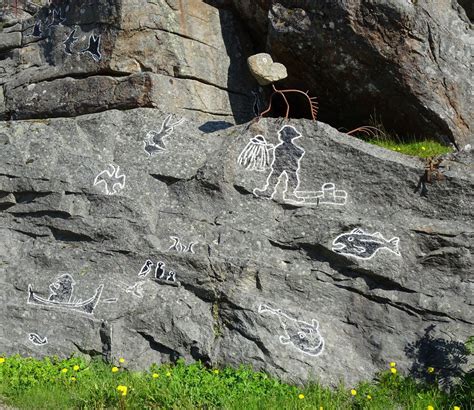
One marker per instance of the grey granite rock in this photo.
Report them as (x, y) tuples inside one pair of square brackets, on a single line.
[(265, 282)]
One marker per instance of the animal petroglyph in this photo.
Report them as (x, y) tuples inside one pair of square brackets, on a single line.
[(37, 29), (302, 335), (69, 42), (362, 245), (154, 142), (37, 339), (61, 296), (56, 18), (136, 289), (93, 49), (112, 181), (146, 268), (179, 247)]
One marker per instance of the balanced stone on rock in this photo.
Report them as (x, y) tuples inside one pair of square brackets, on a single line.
[(265, 70)]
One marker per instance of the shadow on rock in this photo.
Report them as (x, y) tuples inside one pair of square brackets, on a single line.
[(446, 357)]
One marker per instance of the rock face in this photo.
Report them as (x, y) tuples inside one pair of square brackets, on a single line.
[(244, 279), (82, 58), (129, 229), (407, 62)]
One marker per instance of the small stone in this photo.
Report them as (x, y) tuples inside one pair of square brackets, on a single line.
[(265, 70)]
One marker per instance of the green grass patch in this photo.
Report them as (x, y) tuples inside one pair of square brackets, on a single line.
[(27, 383), (422, 149)]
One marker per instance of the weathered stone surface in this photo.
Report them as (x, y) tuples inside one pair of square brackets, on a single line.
[(190, 41), (248, 252), (265, 70), (407, 62), (9, 40)]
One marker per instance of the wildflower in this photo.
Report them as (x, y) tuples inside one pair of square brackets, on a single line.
[(301, 396), (122, 389), (216, 371), (392, 364), (76, 368), (456, 408), (393, 370), (115, 369), (121, 360), (353, 392), (321, 408), (73, 379), (430, 407), (168, 374), (423, 148), (2, 360), (64, 370), (430, 369), (369, 397), (155, 375)]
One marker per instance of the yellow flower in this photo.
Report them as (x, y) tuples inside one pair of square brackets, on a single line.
[(216, 371), (392, 364), (73, 379), (76, 368), (122, 389), (393, 370), (321, 408), (121, 360), (353, 392), (115, 369), (430, 407), (430, 369), (301, 396), (2, 360), (369, 397), (168, 374), (423, 148), (456, 408), (155, 375), (64, 370)]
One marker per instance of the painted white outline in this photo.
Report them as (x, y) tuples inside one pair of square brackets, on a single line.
[(328, 195), (146, 268), (70, 41), (94, 42), (105, 175), (300, 327), (136, 289), (179, 247), (360, 242), (255, 156), (154, 142), (111, 300), (37, 340), (87, 306)]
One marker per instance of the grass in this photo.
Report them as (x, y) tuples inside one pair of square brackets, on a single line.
[(375, 133), (27, 383)]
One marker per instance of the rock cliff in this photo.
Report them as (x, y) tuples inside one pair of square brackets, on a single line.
[(138, 221)]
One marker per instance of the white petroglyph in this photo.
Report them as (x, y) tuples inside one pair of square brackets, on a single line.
[(302, 335), (178, 246), (110, 180), (37, 340), (154, 142), (362, 245)]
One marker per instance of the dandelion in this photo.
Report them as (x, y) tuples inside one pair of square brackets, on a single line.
[(430, 369), (73, 379), (155, 375), (353, 392), (76, 368), (393, 370), (456, 408), (121, 360), (122, 389), (301, 396), (216, 371), (430, 407), (168, 374), (392, 364), (115, 369), (2, 360), (423, 148), (64, 370), (369, 397), (321, 408)]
